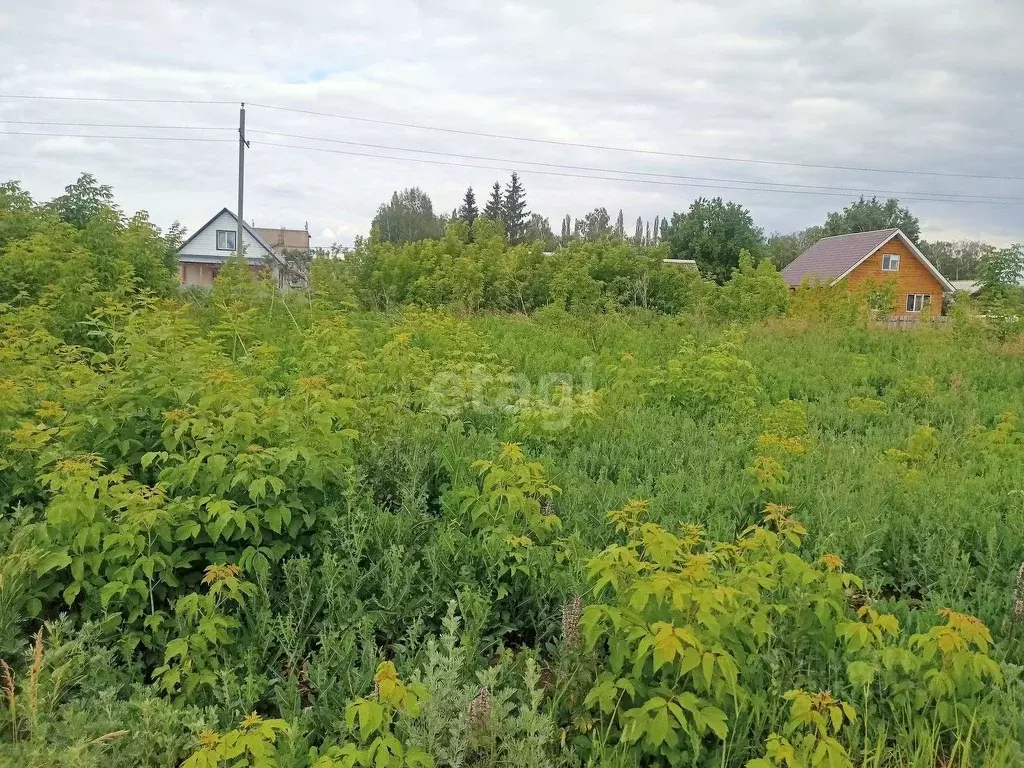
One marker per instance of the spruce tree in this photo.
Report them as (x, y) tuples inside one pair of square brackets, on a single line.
[(514, 209), (493, 208), (468, 212)]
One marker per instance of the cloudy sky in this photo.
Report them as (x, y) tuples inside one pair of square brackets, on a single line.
[(934, 86)]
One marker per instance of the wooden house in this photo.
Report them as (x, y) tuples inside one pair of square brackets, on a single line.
[(878, 257)]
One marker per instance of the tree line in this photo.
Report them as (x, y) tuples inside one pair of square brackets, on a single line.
[(712, 231)]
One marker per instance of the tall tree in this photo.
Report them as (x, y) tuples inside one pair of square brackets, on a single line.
[(494, 204), (468, 212), (538, 230), (514, 209), (647, 237), (865, 215), (784, 248), (83, 200), (598, 224), (409, 216), (958, 260), (656, 231), (713, 233), (638, 235), (620, 227)]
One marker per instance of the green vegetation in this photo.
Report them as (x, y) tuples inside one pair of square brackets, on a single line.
[(470, 504)]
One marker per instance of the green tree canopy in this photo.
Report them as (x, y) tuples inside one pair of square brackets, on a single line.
[(538, 230), (713, 233), (494, 203), (468, 211), (957, 260), (784, 248), (514, 210), (865, 215), (83, 201), (408, 217)]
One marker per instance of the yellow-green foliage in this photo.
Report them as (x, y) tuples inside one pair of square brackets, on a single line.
[(250, 504)]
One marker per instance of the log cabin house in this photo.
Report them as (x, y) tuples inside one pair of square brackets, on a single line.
[(873, 257)]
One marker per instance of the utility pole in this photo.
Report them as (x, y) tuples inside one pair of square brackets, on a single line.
[(242, 144)]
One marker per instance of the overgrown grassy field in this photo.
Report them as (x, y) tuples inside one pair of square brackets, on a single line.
[(251, 503), (247, 528)]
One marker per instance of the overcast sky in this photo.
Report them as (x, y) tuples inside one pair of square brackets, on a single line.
[(927, 85)]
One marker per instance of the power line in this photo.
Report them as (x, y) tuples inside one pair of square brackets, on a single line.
[(612, 178), (118, 125), (114, 99), (534, 140), (771, 185), (105, 136), (611, 148)]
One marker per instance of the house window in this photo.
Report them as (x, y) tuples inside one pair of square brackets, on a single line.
[(226, 239), (890, 262), (918, 301)]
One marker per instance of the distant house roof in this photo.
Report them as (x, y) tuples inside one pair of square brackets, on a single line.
[(971, 286), (690, 263), (252, 232), (833, 258), (292, 239)]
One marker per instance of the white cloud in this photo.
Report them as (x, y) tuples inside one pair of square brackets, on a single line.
[(876, 83)]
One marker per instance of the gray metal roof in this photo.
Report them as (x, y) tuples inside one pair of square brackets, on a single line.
[(830, 257), (252, 232)]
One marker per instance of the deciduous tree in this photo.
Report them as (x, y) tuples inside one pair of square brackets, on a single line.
[(866, 215), (408, 217), (713, 233)]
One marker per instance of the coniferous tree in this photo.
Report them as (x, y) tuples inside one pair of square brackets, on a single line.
[(620, 227), (493, 208), (638, 236), (516, 216), (468, 212)]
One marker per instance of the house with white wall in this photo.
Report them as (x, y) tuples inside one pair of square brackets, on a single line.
[(203, 254)]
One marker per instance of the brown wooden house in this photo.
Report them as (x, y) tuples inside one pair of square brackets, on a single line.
[(877, 257)]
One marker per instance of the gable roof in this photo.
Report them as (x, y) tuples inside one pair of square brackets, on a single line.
[(252, 232), (292, 239), (833, 258)]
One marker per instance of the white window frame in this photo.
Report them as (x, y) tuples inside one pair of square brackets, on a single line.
[(233, 233), (893, 260), (917, 302)]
